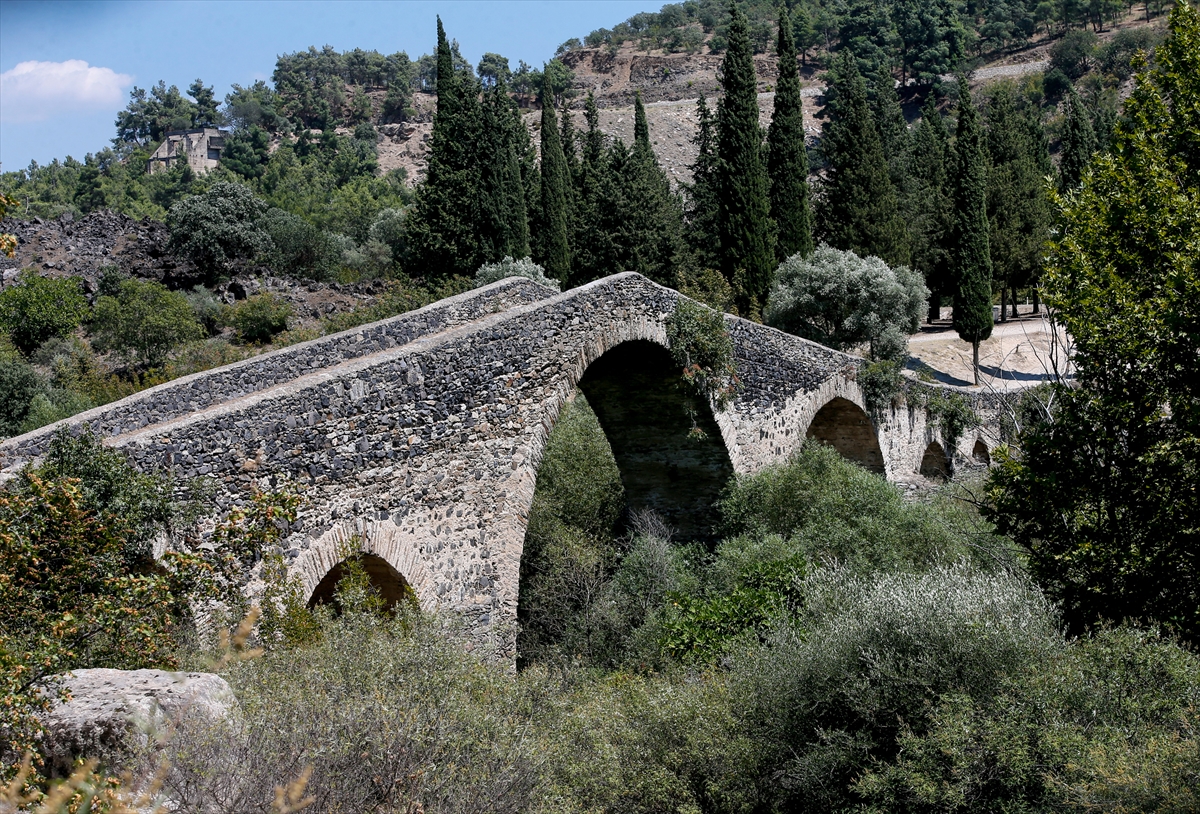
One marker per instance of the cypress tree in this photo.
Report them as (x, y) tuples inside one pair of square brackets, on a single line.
[(1078, 143), (929, 207), (747, 256), (893, 129), (567, 137), (504, 224), (591, 255), (554, 240), (701, 227), (1018, 210), (444, 230), (787, 159), (654, 220), (858, 210), (970, 252)]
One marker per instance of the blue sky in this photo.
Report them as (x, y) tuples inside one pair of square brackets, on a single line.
[(66, 68)]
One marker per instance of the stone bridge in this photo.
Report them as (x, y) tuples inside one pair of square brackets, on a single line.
[(416, 440)]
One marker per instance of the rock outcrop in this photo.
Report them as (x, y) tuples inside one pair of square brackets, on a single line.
[(106, 708)]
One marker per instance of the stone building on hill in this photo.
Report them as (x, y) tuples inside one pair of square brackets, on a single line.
[(201, 148)]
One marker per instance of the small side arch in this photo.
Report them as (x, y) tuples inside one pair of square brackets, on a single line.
[(934, 464), (390, 584), (980, 454), (846, 427)]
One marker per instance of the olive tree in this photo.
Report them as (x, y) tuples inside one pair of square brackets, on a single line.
[(144, 322), (38, 308), (842, 300), (219, 226)]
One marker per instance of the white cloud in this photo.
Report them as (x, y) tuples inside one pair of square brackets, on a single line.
[(33, 91)]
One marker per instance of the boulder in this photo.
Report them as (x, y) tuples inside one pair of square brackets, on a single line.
[(111, 710)]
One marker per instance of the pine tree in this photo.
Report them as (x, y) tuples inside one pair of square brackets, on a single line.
[(787, 159), (1078, 143), (1018, 209), (443, 231), (701, 228), (554, 240), (929, 206), (857, 210), (970, 252), (747, 256)]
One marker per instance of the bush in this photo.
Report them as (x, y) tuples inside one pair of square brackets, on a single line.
[(827, 508), (491, 272), (1072, 55), (39, 308), (569, 548), (1108, 722), (1115, 57), (391, 716), (299, 249), (208, 310), (842, 300), (19, 383), (835, 690), (144, 322), (260, 317), (221, 225)]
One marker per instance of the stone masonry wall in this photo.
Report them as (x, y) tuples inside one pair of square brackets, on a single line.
[(418, 438)]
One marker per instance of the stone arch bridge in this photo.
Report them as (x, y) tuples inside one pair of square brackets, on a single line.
[(417, 439)]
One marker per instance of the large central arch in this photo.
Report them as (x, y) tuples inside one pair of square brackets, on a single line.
[(635, 390)]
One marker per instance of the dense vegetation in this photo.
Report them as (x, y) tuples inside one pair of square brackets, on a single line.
[(1021, 644)]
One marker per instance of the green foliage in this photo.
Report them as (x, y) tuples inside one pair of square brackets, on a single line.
[(701, 345), (707, 286), (219, 226), (743, 220), (702, 203), (842, 300), (144, 322), (1072, 55), (38, 308), (827, 508), (1078, 143), (970, 250), (787, 157), (568, 552), (491, 272), (1102, 495), (951, 412), (19, 383), (390, 714), (299, 249), (858, 210), (148, 116), (246, 152), (553, 237), (832, 694), (258, 318), (881, 381), (1104, 723)]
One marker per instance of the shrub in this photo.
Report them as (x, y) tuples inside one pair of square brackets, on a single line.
[(841, 300), (569, 550), (702, 347), (863, 663), (1072, 55), (299, 249), (827, 508), (38, 308), (19, 383), (391, 716), (491, 272), (221, 225), (1108, 722), (144, 322), (208, 310), (260, 317)]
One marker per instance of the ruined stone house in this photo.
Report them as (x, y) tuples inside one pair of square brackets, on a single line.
[(201, 148)]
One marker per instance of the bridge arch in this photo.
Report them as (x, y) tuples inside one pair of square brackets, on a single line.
[(934, 463), (634, 387), (392, 588), (980, 454), (393, 559), (846, 427)]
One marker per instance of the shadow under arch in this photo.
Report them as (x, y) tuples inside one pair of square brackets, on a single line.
[(635, 391), (934, 464), (846, 427), (980, 454), (393, 588)]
